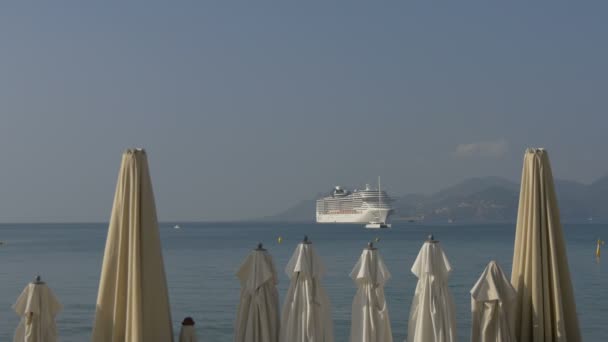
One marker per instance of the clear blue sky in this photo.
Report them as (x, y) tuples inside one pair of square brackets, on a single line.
[(246, 108)]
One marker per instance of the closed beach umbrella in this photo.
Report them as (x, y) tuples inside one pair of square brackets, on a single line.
[(432, 316), (492, 300), (133, 301), (258, 312), (306, 313), (187, 333), (545, 309), (37, 306), (370, 321)]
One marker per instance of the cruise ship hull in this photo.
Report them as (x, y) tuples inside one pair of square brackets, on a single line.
[(363, 216)]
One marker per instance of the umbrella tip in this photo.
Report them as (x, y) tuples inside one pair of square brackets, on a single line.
[(306, 240), (370, 246), (535, 150), (136, 150), (260, 247), (188, 321), (431, 238), (38, 280)]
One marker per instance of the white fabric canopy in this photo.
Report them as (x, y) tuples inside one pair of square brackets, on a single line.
[(37, 306), (432, 316), (306, 313), (370, 321), (258, 313), (187, 334), (545, 309), (133, 301), (492, 300)]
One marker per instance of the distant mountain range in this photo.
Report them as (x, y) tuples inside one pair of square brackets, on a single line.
[(485, 199)]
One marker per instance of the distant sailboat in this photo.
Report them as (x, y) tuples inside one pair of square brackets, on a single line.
[(176, 226), (378, 223)]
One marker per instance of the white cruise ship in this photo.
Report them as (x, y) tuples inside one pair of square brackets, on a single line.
[(359, 206)]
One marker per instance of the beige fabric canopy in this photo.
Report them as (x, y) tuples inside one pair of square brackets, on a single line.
[(133, 301), (37, 306), (306, 315), (370, 321), (187, 334), (545, 309), (258, 317), (492, 300), (433, 314)]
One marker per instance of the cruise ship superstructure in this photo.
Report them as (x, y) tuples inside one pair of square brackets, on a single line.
[(357, 206)]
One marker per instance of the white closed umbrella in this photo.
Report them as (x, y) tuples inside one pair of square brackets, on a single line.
[(37, 306), (258, 316), (545, 309), (306, 313), (187, 332), (370, 321), (492, 300), (432, 315), (133, 301)]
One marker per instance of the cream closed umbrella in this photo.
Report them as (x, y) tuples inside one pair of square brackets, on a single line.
[(545, 309), (37, 306), (306, 313), (432, 315), (492, 300), (258, 316), (370, 321), (187, 332), (133, 301)]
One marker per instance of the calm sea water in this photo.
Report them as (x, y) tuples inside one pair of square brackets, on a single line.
[(201, 260)]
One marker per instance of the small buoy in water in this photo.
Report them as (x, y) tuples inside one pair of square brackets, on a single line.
[(377, 239), (280, 239), (598, 250)]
